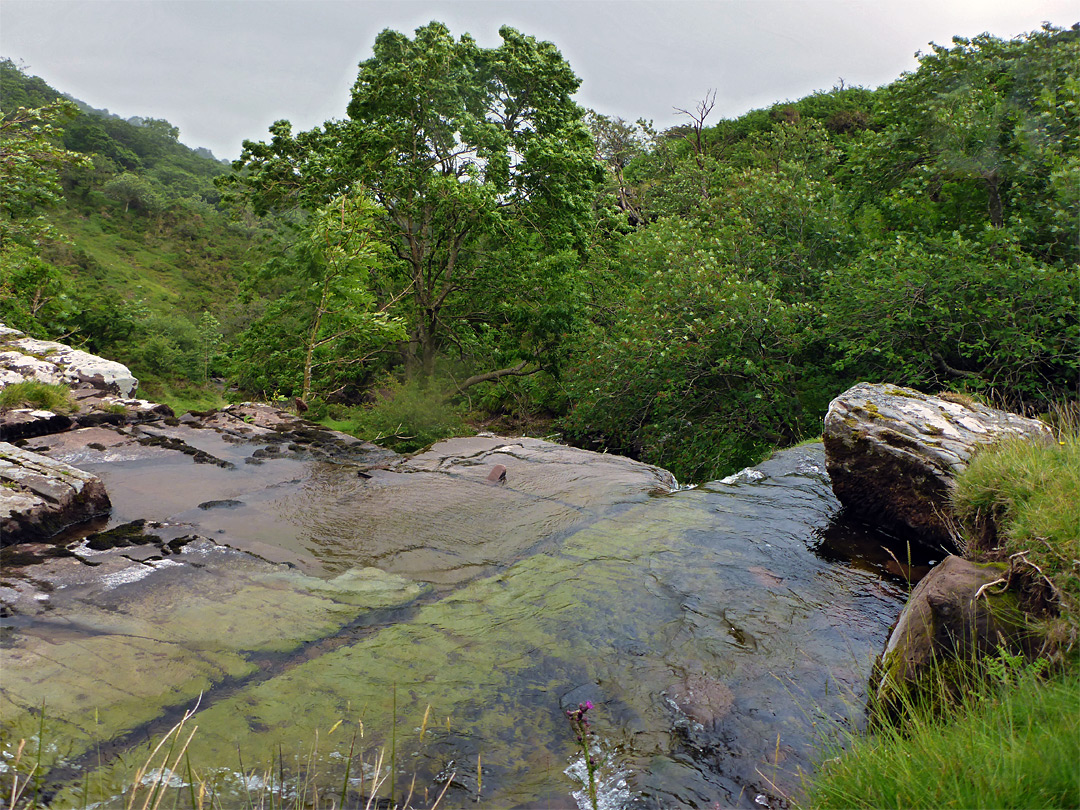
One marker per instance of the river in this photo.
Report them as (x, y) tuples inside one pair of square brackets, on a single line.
[(722, 633)]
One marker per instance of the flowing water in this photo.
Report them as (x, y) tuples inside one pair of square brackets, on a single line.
[(722, 633)]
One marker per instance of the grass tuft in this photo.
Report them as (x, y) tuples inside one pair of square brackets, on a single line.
[(1018, 501), (405, 417), (1007, 745), (34, 394)]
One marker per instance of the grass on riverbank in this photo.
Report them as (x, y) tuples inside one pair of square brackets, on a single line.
[(34, 394), (1008, 746), (1017, 501), (1014, 741)]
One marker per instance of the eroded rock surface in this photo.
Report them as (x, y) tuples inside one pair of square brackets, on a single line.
[(893, 453), (47, 361), (40, 496), (102, 391)]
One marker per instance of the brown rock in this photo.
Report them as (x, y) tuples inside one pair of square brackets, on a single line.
[(960, 610)]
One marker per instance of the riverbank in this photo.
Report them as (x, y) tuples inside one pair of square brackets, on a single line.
[(1011, 738)]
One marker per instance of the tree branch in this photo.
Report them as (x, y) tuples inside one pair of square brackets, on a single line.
[(513, 371)]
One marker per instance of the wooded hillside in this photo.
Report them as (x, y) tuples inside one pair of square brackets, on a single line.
[(467, 242)]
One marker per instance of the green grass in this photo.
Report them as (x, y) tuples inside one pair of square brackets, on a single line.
[(1018, 500), (183, 396), (34, 394), (1008, 746), (1011, 740), (406, 417)]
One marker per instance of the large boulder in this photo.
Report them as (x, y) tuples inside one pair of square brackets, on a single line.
[(40, 496), (25, 358), (893, 454), (960, 612)]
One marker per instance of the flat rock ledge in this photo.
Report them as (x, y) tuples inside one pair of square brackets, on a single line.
[(40, 496), (893, 454)]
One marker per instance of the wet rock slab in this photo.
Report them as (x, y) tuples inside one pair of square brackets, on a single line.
[(39, 496), (109, 639), (654, 612), (893, 453)]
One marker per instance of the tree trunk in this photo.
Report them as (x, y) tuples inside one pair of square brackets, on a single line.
[(997, 207)]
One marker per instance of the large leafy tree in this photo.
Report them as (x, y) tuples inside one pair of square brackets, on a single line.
[(468, 151), (32, 291), (984, 133), (314, 338)]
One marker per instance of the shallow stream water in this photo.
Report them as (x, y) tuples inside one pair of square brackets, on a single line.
[(722, 633)]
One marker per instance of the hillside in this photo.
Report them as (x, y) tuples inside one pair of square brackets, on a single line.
[(135, 246)]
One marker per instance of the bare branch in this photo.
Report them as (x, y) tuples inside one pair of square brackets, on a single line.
[(513, 371)]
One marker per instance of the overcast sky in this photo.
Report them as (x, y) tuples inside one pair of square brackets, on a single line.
[(224, 70)]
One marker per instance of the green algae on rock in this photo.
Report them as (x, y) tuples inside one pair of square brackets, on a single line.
[(117, 652)]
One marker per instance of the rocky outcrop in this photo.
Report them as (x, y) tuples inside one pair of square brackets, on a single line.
[(40, 496), (960, 611), (23, 358), (101, 390), (893, 454)]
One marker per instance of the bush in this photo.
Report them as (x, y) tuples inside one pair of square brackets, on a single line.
[(407, 417)]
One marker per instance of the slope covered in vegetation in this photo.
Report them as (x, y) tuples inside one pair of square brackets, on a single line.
[(691, 298), (124, 247)]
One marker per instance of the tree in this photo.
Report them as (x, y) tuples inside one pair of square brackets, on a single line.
[(312, 338), (134, 192), (464, 148), (33, 292), (30, 160), (619, 142), (985, 132)]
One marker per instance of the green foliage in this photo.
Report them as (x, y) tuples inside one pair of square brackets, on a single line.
[(1012, 746), (134, 192), (935, 311), (318, 333), (924, 234), (34, 394), (182, 395), (466, 149), (406, 416), (1014, 669), (126, 285), (708, 361), (35, 295), (30, 161)]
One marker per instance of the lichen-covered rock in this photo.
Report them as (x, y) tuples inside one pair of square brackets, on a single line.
[(960, 611), (40, 496), (25, 358), (893, 454)]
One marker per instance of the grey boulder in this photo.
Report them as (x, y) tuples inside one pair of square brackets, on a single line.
[(893, 454)]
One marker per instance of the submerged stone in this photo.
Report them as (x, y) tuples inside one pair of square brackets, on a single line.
[(124, 640)]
